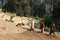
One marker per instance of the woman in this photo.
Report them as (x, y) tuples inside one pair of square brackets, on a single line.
[(53, 29), (32, 25), (42, 27)]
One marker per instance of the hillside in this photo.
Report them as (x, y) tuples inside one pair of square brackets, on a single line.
[(9, 30), (28, 36)]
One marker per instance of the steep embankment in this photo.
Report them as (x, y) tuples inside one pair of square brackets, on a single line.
[(9, 31), (28, 36), (8, 27)]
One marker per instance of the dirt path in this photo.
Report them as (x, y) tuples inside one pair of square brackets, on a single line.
[(28, 36)]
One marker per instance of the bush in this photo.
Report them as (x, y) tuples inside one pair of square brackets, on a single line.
[(47, 29), (38, 25), (37, 17), (58, 28), (48, 21)]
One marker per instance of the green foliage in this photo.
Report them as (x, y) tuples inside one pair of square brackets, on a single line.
[(48, 20), (58, 27), (41, 10), (38, 25), (10, 6), (47, 29), (24, 8), (0, 5), (19, 11), (37, 17)]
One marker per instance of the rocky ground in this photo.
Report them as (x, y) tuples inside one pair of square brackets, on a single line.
[(9, 30)]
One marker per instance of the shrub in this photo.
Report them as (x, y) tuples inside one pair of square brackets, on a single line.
[(46, 29), (38, 25), (58, 28), (48, 20), (37, 17)]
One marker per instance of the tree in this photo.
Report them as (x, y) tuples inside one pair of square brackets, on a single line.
[(2, 2), (37, 8), (25, 7), (9, 6), (56, 12)]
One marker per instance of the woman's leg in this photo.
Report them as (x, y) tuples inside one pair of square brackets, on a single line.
[(50, 32), (54, 32), (43, 30)]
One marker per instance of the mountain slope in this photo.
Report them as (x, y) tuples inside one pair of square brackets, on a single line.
[(28, 36)]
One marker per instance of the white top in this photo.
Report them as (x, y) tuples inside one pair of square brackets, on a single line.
[(33, 24)]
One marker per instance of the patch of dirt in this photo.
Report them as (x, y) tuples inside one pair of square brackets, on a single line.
[(28, 36), (8, 27)]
